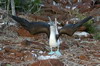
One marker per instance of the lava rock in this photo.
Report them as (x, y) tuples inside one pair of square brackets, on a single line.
[(49, 62)]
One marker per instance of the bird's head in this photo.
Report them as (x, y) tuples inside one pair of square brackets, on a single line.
[(51, 23)]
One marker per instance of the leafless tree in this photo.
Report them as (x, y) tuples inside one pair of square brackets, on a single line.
[(13, 7)]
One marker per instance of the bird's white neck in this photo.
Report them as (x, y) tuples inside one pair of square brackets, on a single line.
[(52, 32), (56, 26)]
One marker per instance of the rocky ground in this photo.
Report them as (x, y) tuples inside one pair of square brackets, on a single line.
[(19, 48)]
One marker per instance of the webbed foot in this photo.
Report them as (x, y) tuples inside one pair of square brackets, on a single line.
[(58, 53), (51, 52)]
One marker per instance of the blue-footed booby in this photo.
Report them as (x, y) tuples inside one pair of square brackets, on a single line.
[(50, 29), (53, 41)]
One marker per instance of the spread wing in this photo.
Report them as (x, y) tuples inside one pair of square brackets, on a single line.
[(69, 29), (33, 27)]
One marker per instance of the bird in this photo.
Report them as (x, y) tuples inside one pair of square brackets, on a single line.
[(51, 30), (53, 41), (40, 27)]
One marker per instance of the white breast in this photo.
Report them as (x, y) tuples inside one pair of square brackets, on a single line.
[(52, 39)]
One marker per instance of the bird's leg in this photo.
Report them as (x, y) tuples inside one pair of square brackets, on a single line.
[(51, 52), (58, 51)]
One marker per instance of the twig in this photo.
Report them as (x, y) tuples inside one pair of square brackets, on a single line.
[(50, 62), (40, 63)]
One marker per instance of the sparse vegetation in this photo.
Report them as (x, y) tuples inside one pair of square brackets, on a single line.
[(97, 35), (90, 27), (27, 6)]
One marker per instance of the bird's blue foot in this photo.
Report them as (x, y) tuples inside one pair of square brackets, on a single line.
[(51, 52), (58, 53)]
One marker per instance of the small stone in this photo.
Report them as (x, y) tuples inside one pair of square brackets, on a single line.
[(1, 56), (13, 50), (12, 55), (19, 54), (49, 62), (83, 57), (64, 46), (25, 43), (28, 57), (7, 49), (97, 55), (40, 52), (24, 33), (42, 57), (82, 28), (1, 53)]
